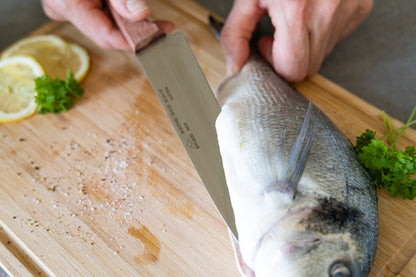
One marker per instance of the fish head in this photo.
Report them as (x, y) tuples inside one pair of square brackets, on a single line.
[(316, 241)]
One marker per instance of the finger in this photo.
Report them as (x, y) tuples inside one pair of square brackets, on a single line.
[(265, 45), (53, 9), (237, 32), (323, 23), (165, 25), (95, 24), (290, 47), (132, 9)]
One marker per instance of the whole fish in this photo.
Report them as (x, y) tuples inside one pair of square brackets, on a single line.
[(303, 204)]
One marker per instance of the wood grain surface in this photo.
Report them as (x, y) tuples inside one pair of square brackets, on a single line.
[(107, 189)]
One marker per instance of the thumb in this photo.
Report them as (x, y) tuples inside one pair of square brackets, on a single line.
[(132, 9), (237, 32)]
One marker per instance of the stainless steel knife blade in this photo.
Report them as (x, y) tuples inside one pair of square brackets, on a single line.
[(187, 99)]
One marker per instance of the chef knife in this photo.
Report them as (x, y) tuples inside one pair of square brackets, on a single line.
[(187, 99)]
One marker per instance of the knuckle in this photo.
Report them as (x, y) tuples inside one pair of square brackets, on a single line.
[(293, 74)]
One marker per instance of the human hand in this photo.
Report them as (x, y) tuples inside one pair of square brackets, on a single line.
[(89, 17), (306, 31)]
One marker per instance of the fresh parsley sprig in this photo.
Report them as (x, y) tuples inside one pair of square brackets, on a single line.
[(55, 96), (390, 169)]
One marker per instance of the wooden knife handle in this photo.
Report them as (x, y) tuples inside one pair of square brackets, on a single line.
[(138, 34)]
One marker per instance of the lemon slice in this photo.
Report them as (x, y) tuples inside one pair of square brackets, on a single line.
[(17, 87), (79, 61), (54, 54)]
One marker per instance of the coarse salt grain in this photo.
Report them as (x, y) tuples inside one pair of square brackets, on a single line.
[(123, 164)]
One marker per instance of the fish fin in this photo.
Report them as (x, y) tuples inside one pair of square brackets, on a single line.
[(298, 156), (245, 270)]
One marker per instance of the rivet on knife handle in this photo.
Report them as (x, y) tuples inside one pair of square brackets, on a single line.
[(138, 34)]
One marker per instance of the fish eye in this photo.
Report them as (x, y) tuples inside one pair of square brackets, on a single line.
[(339, 270)]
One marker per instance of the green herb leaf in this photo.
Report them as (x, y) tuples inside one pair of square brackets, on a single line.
[(55, 96), (364, 140), (390, 169), (73, 87)]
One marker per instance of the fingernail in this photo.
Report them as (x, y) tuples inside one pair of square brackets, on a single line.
[(229, 65), (137, 6)]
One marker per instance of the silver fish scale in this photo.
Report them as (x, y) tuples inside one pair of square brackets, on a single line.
[(337, 190)]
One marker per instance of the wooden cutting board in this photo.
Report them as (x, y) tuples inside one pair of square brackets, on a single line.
[(106, 189)]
